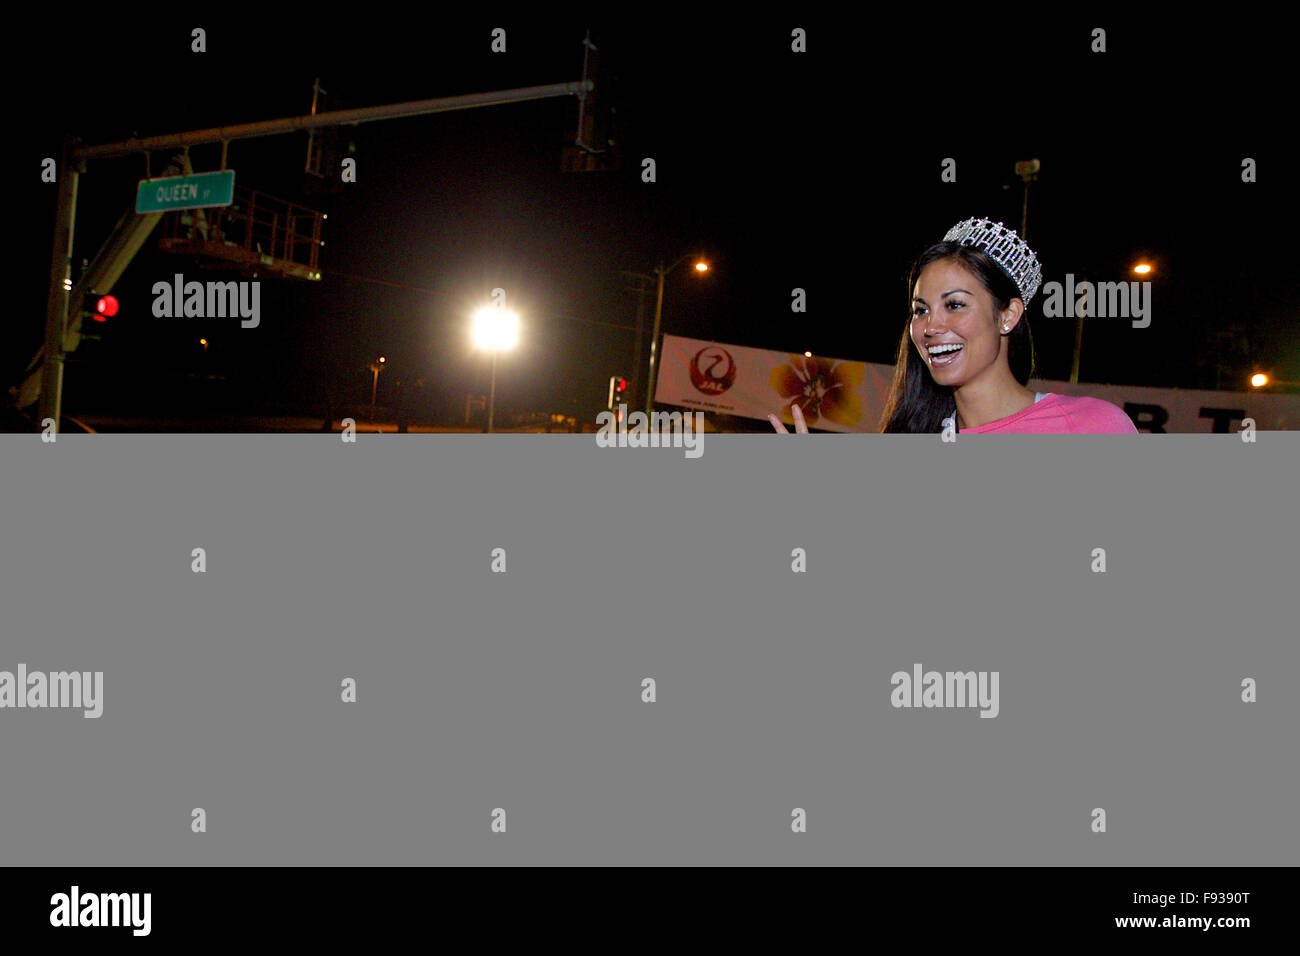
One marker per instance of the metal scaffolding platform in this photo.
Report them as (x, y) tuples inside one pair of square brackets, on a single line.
[(258, 235)]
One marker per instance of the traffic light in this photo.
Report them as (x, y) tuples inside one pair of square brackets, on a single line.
[(617, 390), (95, 307), (595, 146), (105, 308)]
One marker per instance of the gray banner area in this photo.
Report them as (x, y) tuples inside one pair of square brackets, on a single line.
[(522, 690)]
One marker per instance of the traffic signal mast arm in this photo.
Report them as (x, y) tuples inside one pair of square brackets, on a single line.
[(226, 134)]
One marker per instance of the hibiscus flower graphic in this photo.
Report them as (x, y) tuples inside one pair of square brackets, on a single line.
[(822, 388)]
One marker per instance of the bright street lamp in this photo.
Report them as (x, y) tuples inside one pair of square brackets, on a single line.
[(495, 329)]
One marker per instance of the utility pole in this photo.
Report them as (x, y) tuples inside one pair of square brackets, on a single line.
[(654, 341), (640, 285), (640, 334)]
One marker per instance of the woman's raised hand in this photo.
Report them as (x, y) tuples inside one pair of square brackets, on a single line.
[(800, 426)]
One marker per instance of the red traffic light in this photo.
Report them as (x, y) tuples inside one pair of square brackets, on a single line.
[(617, 386), (105, 308)]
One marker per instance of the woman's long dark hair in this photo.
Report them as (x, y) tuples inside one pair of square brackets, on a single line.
[(916, 402)]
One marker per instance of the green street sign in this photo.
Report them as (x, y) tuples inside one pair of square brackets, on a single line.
[(185, 192)]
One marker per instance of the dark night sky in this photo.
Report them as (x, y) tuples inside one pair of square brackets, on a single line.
[(819, 171)]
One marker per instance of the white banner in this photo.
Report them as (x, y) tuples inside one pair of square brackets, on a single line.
[(845, 396)]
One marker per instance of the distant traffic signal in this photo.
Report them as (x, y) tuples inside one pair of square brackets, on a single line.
[(617, 390)]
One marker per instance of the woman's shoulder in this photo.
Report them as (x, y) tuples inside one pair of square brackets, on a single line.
[(1089, 414)]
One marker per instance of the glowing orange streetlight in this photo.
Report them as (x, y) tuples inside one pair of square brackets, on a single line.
[(1260, 379), (1143, 268), (701, 267)]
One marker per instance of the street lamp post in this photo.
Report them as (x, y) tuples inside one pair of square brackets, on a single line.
[(376, 366), (1142, 269), (492, 392), (660, 271)]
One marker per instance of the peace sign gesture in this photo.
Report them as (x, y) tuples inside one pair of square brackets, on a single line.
[(800, 426)]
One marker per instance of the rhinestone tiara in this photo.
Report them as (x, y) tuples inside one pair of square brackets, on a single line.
[(1004, 247)]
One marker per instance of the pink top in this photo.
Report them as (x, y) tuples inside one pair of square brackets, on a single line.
[(1061, 415)]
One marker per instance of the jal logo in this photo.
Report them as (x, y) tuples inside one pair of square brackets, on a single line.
[(713, 370)]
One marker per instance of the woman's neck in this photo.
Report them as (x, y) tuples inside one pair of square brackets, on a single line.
[(979, 403)]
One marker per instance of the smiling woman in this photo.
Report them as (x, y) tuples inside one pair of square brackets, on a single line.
[(967, 353)]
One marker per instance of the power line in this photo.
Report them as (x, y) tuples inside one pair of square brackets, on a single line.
[(395, 285)]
